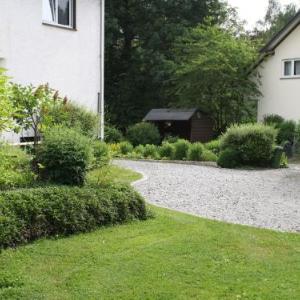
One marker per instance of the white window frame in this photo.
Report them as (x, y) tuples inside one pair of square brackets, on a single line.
[(72, 17), (292, 61)]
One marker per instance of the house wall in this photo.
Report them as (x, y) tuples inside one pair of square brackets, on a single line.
[(280, 95), (33, 53)]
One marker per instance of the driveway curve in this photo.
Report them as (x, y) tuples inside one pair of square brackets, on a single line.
[(261, 198)]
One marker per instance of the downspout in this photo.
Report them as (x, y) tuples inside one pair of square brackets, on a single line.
[(102, 62)]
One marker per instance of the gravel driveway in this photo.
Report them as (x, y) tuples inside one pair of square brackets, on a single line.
[(261, 198)]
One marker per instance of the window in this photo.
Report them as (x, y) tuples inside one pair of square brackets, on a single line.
[(59, 12), (291, 68)]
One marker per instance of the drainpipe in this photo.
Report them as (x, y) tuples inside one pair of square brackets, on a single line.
[(102, 52)]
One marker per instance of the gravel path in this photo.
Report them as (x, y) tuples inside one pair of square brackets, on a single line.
[(260, 198)]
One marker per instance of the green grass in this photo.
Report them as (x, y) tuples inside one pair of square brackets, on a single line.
[(173, 256)]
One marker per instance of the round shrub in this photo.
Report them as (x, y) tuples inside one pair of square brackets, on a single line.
[(195, 152), (143, 134), (287, 132), (229, 158), (166, 150), (139, 150), (28, 214), (125, 148), (113, 135), (274, 120), (253, 142), (181, 148), (65, 156), (101, 154), (151, 151), (208, 155)]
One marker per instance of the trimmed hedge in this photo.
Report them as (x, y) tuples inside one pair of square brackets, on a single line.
[(181, 148), (195, 152), (254, 143), (28, 214), (65, 156)]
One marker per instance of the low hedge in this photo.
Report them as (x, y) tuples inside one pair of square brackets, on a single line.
[(28, 214)]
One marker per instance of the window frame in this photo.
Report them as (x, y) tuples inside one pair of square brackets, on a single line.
[(72, 12), (292, 61)]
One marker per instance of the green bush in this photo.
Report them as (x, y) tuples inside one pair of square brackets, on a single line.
[(166, 150), (229, 158), (100, 154), (213, 146), (279, 158), (287, 132), (65, 156), (139, 150), (143, 134), (28, 214), (125, 148), (151, 151), (208, 155), (69, 115), (113, 135), (181, 148), (253, 142), (195, 152), (274, 120), (15, 168), (171, 139)]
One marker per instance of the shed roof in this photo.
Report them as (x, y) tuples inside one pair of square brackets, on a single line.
[(166, 114)]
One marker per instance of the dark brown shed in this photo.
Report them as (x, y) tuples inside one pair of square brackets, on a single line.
[(190, 124)]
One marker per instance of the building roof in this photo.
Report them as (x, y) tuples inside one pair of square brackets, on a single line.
[(282, 34), (166, 114)]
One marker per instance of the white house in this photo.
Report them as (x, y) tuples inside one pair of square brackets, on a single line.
[(59, 42), (280, 73)]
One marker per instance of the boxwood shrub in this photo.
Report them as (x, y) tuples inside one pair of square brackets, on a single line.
[(28, 214), (254, 143), (195, 152), (143, 134), (166, 150), (65, 155), (181, 148)]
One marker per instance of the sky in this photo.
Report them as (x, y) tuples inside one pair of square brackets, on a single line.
[(254, 10)]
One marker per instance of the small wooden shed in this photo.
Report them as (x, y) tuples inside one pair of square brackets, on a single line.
[(189, 124)]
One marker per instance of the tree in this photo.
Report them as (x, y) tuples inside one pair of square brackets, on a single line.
[(214, 75), (6, 109), (140, 36)]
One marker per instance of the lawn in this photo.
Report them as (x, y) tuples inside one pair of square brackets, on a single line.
[(172, 256)]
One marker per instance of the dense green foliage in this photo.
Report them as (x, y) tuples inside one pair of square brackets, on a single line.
[(166, 150), (195, 152), (15, 168), (65, 156), (28, 214), (6, 108), (140, 36), (125, 147), (113, 135), (254, 143), (101, 155), (143, 134), (151, 151), (213, 146), (208, 155), (213, 75), (229, 159), (181, 148)]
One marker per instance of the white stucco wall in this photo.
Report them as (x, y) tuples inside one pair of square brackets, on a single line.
[(36, 54), (280, 95)]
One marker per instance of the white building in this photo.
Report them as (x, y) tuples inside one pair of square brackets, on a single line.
[(280, 71), (58, 42)]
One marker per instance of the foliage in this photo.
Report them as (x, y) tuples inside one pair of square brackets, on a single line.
[(195, 152), (171, 139), (65, 156), (213, 74), (254, 143), (101, 154), (229, 158), (125, 147), (213, 146), (274, 120), (139, 150), (279, 158), (15, 168), (113, 135), (143, 134), (139, 58), (166, 150), (28, 214), (6, 108), (67, 114), (181, 148), (287, 132), (151, 151), (208, 155)]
